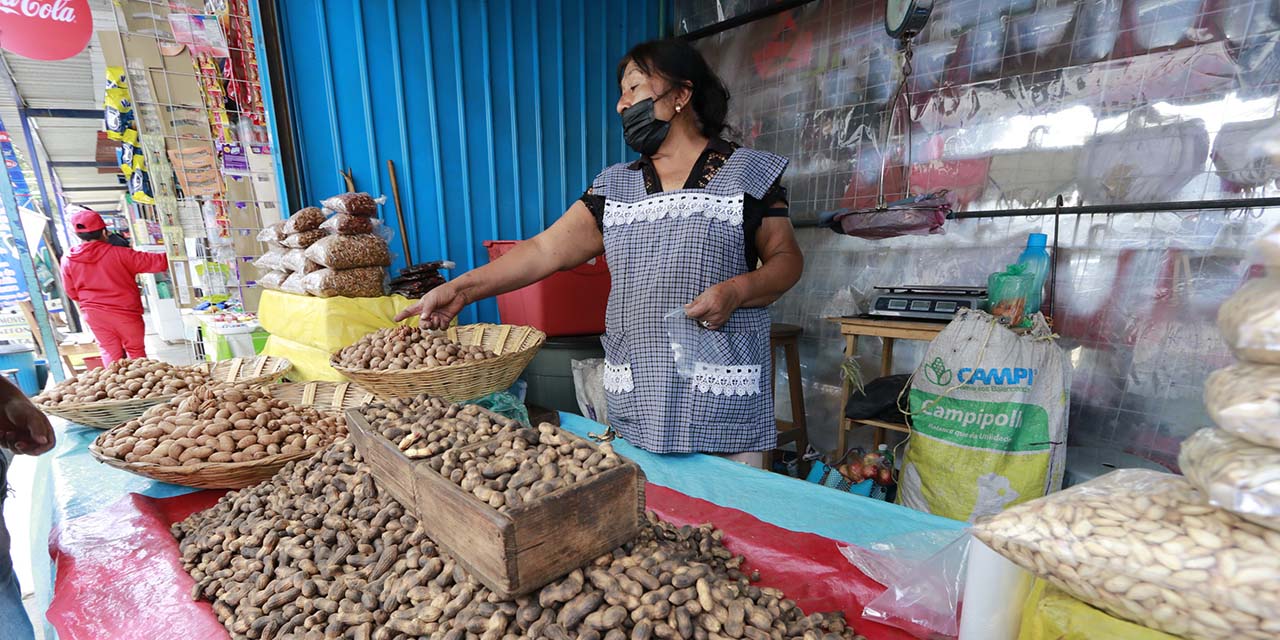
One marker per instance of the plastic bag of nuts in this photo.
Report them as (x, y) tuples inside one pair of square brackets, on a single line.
[(356, 204), (1244, 399), (361, 282), (307, 219), (272, 260), (345, 224), (273, 279), (1144, 546), (1250, 321), (1238, 476), (272, 234), (294, 284), (304, 239), (349, 252), (295, 260)]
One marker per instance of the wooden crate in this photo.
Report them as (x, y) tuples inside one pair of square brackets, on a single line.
[(525, 549)]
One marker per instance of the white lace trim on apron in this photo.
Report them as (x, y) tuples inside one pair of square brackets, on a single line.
[(617, 378), (741, 380), (683, 205)]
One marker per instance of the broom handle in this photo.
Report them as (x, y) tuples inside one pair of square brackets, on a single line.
[(395, 192)]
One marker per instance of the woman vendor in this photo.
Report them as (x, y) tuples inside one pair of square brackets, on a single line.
[(682, 227)]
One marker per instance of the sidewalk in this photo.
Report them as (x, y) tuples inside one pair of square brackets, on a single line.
[(17, 508)]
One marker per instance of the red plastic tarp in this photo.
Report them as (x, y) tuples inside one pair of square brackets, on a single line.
[(119, 574)]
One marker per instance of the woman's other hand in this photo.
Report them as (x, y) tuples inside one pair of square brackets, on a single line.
[(23, 427), (713, 308), (437, 308)]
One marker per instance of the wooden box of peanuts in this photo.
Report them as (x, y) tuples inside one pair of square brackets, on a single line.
[(519, 507)]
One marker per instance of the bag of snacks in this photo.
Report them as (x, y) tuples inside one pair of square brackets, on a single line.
[(1244, 399), (361, 282), (273, 234), (272, 260), (294, 284), (356, 204), (296, 260), (273, 279), (1266, 249), (307, 219), (349, 252), (345, 224), (1235, 474), (1250, 321), (1142, 545), (304, 239)]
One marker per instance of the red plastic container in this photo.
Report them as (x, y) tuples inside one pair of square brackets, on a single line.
[(93, 362), (569, 303)]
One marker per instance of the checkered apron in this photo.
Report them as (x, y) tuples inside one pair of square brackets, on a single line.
[(663, 251)]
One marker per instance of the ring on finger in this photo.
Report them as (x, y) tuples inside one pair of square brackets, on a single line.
[(705, 324)]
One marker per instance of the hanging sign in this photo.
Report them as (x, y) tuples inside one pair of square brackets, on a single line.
[(45, 29)]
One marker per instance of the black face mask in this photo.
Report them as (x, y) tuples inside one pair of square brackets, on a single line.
[(643, 131)]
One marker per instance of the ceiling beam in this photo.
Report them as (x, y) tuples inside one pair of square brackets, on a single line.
[(73, 114)]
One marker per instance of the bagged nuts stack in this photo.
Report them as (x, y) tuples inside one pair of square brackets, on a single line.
[(1198, 556), (353, 256)]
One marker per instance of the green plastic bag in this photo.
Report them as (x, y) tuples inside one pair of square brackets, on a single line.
[(504, 404)]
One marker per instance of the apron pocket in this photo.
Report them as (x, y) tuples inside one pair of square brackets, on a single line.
[(729, 364), (617, 366)]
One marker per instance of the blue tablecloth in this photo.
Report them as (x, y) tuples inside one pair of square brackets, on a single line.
[(71, 483)]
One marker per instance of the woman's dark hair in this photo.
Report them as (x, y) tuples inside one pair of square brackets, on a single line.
[(681, 64), (92, 235)]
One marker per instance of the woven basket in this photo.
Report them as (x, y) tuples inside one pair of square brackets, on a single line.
[(206, 475), (468, 380), (252, 371), (324, 396), (105, 414)]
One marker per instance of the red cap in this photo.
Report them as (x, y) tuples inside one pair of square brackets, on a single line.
[(88, 220)]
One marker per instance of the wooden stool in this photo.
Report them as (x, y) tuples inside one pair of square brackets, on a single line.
[(787, 337)]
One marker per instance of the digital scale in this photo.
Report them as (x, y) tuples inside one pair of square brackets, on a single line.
[(923, 302)]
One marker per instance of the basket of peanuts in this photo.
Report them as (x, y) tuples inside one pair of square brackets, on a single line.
[(461, 363)]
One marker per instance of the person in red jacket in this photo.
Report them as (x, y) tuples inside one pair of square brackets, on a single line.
[(102, 279)]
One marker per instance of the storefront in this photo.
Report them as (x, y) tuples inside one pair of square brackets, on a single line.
[(1023, 386)]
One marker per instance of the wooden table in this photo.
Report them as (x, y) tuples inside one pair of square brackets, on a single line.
[(889, 331)]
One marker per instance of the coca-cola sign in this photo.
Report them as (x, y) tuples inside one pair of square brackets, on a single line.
[(45, 29)]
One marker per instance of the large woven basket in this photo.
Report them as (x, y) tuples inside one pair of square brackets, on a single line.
[(515, 347), (105, 414), (253, 371), (324, 396), (206, 475)]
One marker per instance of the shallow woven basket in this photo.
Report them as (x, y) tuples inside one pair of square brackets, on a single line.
[(324, 396), (515, 347), (252, 371), (206, 475), (105, 414)]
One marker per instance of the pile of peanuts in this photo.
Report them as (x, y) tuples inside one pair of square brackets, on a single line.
[(318, 552), (123, 380), (220, 423), (424, 427), (406, 347), (524, 466), (1144, 546)]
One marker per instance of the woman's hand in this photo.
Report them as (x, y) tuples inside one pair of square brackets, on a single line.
[(438, 307), (713, 308)]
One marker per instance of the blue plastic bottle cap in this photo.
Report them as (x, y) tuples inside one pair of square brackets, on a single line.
[(1037, 240)]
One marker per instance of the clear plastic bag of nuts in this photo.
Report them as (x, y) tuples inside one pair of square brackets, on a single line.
[(349, 252), (1234, 474), (1244, 399), (345, 224), (361, 282), (306, 219), (1145, 546), (303, 239), (356, 204), (1250, 321)]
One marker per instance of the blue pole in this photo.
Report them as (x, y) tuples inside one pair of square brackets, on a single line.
[(25, 260)]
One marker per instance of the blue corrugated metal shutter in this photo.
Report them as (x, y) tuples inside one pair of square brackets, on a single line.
[(496, 113)]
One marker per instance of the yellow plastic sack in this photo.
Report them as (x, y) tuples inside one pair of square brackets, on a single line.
[(327, 324), (1051, 614), (309, 363)]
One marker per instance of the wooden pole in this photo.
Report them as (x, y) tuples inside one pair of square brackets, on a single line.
[(395, 193)]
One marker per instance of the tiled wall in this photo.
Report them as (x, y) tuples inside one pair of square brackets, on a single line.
[(1014, 102)]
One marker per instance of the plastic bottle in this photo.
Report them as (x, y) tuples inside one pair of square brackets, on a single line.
[(1036, 259), (887, 455), (1007, 293)]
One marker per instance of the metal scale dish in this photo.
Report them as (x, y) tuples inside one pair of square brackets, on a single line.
[(924, 302)]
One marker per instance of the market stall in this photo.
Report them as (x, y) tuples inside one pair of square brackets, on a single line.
[(794, 549)]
